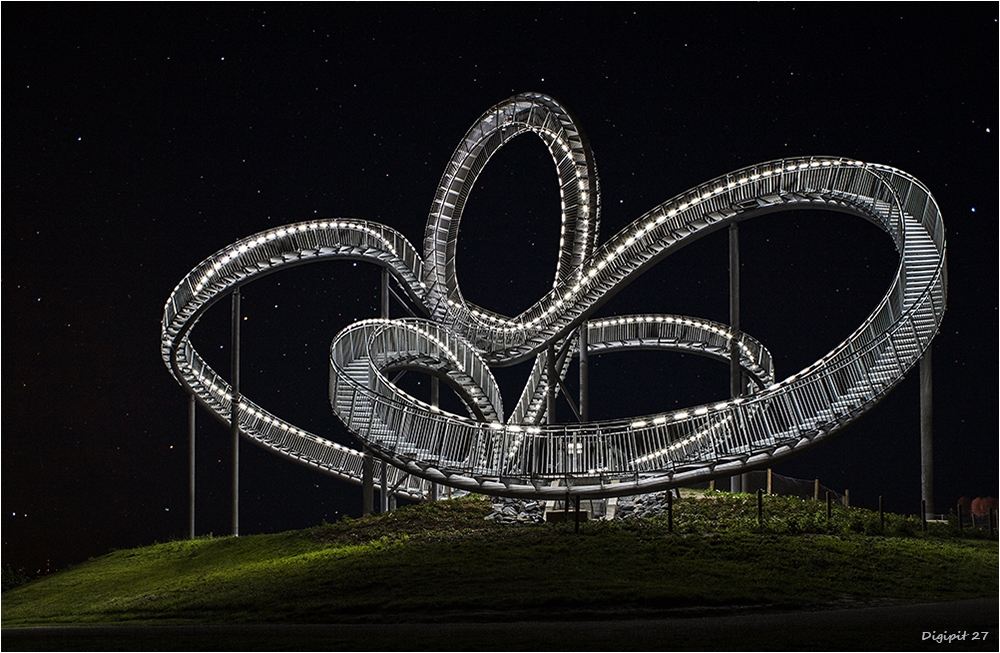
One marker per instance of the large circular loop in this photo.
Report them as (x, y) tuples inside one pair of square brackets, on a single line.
[(579, 194)]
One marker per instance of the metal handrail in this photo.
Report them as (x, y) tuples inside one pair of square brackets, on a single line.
[(482, 453)]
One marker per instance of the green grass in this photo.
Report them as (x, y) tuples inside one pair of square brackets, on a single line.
[(443, 561)]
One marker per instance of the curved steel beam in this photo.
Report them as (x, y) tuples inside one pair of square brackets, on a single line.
[(520, 458)]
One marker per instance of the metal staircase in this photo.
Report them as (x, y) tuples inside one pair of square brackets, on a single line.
[(520, 456)]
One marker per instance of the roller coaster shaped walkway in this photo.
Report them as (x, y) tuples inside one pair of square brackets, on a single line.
[(519, 453)]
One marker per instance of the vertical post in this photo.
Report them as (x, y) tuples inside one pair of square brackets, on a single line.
[(550, 388), (584, 373), (816, 490), (192, 406), (847, 498), (926, 434), (735, 389), (770, 481), (760, 508), (234, 414), (923, 515), (367, 484), (735, 482), (383, 495), (384, 295), (368, 463), (436, 402)]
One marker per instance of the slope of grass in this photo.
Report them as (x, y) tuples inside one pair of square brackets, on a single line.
[(443, 561)]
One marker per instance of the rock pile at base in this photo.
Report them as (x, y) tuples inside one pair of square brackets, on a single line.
[(642, 505), (517, 511)]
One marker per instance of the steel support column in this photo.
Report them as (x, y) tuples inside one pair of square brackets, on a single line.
[(368, 464), (435, 402), (383, 494), (234, 414), (584, 340), (550, 387), (367, 484), (192, 409), (735, 374), (926, 434), (384, 295)]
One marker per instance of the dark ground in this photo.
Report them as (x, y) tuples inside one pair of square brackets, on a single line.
[(972, 625)]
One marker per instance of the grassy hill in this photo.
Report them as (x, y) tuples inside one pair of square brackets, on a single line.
[(443, 562)]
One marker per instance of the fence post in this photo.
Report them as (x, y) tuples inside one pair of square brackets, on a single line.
[(847, 498), (816, 490), (760, 506), (670, 511), (769, 481)]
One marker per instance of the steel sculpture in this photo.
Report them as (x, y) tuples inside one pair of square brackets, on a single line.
[(515, 452)]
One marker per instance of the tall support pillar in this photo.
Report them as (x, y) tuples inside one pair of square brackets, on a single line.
[(234, 415), (735, 374), (384, 295), (436, 403), (383, 494), (367, 484), (584, 339), (926, 435), (550, 388), (192, 408), (383, 498)]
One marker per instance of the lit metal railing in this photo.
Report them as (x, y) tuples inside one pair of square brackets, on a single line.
[(481, 452)]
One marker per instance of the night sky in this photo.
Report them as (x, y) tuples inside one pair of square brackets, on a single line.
[(138, 140)]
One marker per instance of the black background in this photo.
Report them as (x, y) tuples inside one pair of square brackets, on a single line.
[(139, 139)]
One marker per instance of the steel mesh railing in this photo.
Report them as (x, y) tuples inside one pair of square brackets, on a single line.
[(479, 451)]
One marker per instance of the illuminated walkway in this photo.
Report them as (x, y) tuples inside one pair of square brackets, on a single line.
[(516, 452)]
